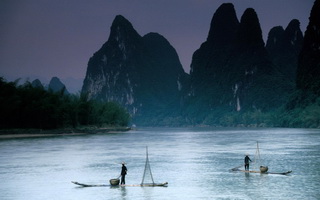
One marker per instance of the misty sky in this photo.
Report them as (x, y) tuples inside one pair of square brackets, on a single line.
[(47, 38)]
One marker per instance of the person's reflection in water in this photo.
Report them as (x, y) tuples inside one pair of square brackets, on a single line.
[(123, 192)]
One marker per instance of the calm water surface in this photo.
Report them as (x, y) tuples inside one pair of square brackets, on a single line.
[(195, 162)]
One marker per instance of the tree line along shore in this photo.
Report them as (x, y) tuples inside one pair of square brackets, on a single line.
[(25, 108)]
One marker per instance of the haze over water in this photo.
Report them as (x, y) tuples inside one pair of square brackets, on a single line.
[(195, 162)]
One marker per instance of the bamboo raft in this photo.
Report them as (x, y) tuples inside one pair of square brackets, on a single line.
[(90, 185), (115, 181), (147, 185), (165, 184), (253, 171), (262, 169)]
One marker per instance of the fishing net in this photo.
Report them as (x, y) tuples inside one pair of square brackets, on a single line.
[(258, 162), (147, 175), (257, 158)]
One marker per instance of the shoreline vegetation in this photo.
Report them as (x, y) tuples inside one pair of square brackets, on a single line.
[(26, 133), (27, 109), (33, 109)]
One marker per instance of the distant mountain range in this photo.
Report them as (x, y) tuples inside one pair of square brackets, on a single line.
[(308, 73), (233, 71), (55, 85)]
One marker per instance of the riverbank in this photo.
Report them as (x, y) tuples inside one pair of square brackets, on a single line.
[(23, 133)]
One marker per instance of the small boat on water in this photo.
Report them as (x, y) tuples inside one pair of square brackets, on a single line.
[(147, 179), (262, 169)]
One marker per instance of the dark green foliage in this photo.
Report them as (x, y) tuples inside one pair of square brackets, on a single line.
[(108, 114), (33, 107), (302, 110)]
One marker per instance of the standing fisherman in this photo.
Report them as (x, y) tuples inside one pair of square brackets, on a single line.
[(123, 173), (246, 162)]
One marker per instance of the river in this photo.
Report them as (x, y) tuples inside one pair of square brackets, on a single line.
[(196, 163)]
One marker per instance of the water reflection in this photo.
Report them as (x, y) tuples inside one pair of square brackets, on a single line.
[(123, 191), (247, 175), (195, 162)]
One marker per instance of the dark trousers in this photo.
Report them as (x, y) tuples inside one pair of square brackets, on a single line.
[(246, 166), (123, 179)]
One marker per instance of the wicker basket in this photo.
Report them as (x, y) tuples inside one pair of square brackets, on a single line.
[(114, 181), (263, 169)]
